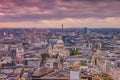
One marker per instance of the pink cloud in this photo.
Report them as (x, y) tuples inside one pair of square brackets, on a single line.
[(32, 10)]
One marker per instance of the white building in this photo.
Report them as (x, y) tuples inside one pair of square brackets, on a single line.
[(74, 75), (58, 48)]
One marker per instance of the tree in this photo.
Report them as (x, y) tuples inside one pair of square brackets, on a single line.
[(104, 75), (83, 63), (44, 56), (96, 47), (108, 79), (74, 52)]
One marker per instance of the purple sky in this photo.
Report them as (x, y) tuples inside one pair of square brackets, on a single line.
[(52, 13)]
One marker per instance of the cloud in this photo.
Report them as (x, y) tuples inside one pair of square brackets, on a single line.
[(109, 22), (35, 10)]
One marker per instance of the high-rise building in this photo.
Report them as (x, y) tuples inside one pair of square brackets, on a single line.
[(85, 30), (62, 27)]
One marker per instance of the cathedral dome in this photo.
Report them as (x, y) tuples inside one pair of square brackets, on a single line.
[(60, 42)]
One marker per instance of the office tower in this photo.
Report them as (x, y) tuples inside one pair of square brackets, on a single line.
[(62, 29), (85, 30)]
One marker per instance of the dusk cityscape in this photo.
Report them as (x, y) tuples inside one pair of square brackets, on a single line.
[(59, 39)]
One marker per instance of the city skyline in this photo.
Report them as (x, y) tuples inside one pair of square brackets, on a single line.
[(53, 13)]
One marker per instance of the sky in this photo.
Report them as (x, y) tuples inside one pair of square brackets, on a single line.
[(53, 13)]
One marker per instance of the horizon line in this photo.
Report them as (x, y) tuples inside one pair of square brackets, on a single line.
[(59, 27)]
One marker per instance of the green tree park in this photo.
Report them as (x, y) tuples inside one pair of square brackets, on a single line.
[(75, 52)]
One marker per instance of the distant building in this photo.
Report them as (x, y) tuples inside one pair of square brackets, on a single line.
[(85, 30), (33, 62), (62, 30)]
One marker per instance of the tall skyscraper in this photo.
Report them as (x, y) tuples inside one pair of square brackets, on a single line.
[(62, 32), (62, 28), (85, 30)]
